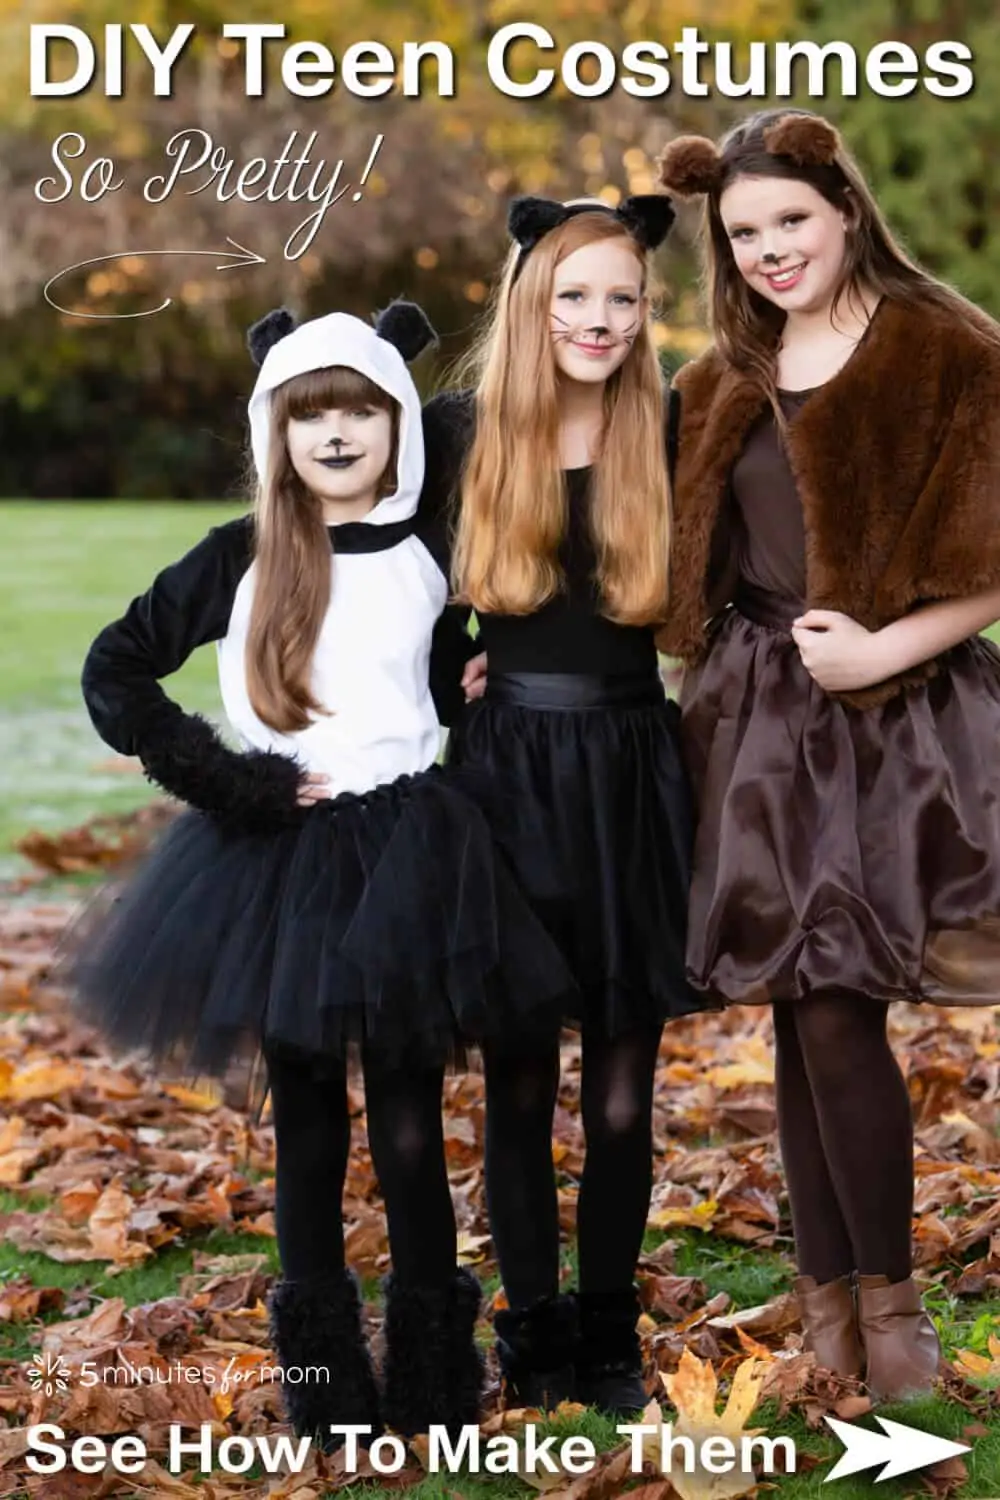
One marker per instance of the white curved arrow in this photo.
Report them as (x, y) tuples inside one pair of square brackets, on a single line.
[(241, 257), (902, 1449)]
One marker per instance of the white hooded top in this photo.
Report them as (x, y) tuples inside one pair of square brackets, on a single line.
[(370, 667)]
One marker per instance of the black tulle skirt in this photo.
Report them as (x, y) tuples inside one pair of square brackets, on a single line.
[(597, 823), (387, 922)]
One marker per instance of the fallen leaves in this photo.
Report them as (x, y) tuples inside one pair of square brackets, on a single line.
[(980, 1366), (100, 844), (694, 1391), (128, 1164)]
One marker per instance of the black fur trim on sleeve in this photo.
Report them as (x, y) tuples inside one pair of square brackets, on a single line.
[(249, 791), (407, 327), (268, 331)]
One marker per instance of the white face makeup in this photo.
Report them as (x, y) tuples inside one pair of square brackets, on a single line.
[(788, 241), (597, 310), (341, 454)]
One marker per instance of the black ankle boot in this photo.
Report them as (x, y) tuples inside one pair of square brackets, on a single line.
[(609, 1363), (536, 1347), (433, 1369), (317, 1336)]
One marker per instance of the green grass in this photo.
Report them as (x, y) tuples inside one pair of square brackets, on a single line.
[(151, 1281), (65, 571), (748, 1276)]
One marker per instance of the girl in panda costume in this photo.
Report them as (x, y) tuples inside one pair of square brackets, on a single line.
[(330, 888)]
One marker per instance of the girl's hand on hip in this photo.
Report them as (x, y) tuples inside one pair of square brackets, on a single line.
[(474, 677), (313, 788), (839, 654)]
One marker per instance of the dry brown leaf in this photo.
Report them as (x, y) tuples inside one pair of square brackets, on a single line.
[(606, 1480), (944, 1478), (108, 1228)]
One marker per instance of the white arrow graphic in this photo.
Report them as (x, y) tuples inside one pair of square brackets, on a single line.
[(238, 256), (902, 1449)]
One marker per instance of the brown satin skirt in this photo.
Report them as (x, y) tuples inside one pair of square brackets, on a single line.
[(840, 849)]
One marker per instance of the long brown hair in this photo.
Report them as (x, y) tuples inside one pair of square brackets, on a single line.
[(514, 504), (292, 551), (746, 326)]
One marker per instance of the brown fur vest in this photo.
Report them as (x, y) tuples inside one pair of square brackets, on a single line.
[(897, 462)]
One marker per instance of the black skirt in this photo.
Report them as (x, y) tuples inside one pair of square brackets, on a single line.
[(387, 921), (597, 823)]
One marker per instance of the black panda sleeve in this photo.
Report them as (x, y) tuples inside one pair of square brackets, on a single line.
[(451, 647), (187, 605), (448, 424)]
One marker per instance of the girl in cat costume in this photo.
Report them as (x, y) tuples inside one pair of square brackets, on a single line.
[(557, 465), (836, 552), (330, 888)]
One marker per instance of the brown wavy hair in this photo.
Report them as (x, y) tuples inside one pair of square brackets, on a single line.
[(292, 551), (514, 505), (746, 326)]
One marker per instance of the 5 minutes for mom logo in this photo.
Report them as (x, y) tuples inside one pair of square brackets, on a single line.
[(48, 1373)]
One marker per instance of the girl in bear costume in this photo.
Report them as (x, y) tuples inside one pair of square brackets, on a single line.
[(330, 888), (836, 495)]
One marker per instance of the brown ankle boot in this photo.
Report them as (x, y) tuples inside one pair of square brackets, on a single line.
[(900, 1341), (830, 1324)]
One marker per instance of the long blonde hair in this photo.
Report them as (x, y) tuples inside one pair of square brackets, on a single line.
[(292, 551), (514, 506)]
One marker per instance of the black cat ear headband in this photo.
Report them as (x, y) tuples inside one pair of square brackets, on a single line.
[(646, 216), (402, 324)]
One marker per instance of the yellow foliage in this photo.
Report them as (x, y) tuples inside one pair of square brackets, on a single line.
[(693, 1389)]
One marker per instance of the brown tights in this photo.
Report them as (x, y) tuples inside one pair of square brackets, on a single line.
[(846, 1134)]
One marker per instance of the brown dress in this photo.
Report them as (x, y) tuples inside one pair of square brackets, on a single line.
[(837, 849)]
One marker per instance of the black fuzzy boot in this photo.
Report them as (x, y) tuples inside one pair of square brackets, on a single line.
[(609, 1362), (433, 1370), (536, 1347), (316, 1334)]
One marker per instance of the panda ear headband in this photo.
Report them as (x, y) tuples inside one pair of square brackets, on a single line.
[(402, 324), (647, 218)]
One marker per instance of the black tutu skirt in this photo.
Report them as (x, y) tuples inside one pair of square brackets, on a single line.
[(386, 921), (598, 827)]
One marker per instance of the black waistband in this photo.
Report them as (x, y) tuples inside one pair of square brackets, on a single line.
[(574, 689), (760, 607)]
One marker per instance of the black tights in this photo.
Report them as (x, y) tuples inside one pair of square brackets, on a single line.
[(846, 1137), (616, 1105), (313, 1136)]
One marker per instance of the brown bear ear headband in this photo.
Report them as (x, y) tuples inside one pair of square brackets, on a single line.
[(647, 217), (692, 165)]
